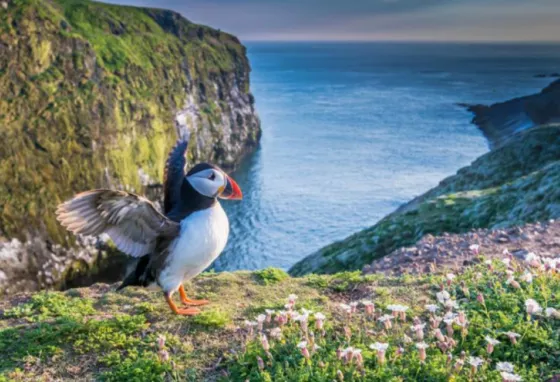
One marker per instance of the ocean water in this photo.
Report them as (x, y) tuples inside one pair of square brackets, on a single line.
[(353, 130)]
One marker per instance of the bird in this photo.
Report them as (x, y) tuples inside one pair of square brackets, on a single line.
[(174, 245)]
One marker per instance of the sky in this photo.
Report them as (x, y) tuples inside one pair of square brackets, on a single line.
[(409, 20)]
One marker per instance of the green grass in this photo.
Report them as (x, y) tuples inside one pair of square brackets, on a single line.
[(95, 333)]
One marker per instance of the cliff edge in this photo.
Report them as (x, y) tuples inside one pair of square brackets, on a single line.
[(94, 95)]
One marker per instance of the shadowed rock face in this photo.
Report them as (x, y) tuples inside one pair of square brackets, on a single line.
[(500, 121), (94, 95)]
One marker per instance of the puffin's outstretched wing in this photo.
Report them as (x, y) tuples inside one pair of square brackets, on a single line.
[(130, 220), (174, 175)]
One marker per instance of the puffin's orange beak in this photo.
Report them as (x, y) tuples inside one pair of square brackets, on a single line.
[(231, 191)]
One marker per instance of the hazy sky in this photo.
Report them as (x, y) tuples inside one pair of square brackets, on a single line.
[(464, 20)]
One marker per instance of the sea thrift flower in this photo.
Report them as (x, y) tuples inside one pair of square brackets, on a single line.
[(347, 354), (381, 348), (260, 363), (398, 311), (449, 326), (450, 277), (551, 312), (421, 346), (527, 277), (369, 306), (250, 325), (386, 320), (432, 308), (407, 339), (532, 306), (419, 331), (264, 343), (161, 342), (451, 304), (276, 333), (400, 351), (435, 321), (340, 376), (512, 337), (163, 355), (506, 261), (269, 314), (353, 306), (303, 348), (347, 332), (510, 377), (480, 298), (303, 320), (292, 299), (442, 296), (504, 366), (281, 317), (458, 365), (339, 353), (511, 281), (357, 356), (475, 362), (260, 320), (346, 308), (439, 335), (461, 318), (475, 249), (490, 343), (319, 320), (490, 265)]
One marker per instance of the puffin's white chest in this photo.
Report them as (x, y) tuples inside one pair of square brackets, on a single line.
[(202, 238)]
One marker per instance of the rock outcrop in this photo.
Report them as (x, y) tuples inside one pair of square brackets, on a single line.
[(500, 121), (511, 185), (94, 95)]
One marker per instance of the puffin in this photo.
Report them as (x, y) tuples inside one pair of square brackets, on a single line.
[(172, 246)]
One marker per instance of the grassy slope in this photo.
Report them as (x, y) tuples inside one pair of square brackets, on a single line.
[(95, 333), (89, 92), (514, 184)]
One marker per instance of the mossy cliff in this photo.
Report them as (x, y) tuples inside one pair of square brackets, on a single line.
[(94, 95), (516, 183)]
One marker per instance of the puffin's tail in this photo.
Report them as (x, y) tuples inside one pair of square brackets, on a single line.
[(140, 276)]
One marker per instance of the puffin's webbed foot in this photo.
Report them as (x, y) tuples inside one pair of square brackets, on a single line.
[(181, 311), (188, 301)]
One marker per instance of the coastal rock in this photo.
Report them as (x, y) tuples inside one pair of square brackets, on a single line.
[(500, 121), (98, 101), (539, 238)]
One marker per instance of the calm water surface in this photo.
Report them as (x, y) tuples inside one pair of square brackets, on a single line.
[(351, 131)]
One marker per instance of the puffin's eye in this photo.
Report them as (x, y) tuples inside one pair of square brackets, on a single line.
[(212, 176)]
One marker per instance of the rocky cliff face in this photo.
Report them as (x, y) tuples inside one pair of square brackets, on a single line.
[(500, 121), (511, 185), (94, 95)]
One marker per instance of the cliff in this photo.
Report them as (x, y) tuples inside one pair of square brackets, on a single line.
[(94, 95), (500, 121), (513, 184)]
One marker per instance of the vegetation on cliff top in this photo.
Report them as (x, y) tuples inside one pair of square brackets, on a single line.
[(89, 96), (511, 185), (256, 330)]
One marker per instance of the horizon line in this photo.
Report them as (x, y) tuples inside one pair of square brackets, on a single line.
[(536, 42)]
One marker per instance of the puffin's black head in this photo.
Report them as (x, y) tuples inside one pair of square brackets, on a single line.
[(213, 182)]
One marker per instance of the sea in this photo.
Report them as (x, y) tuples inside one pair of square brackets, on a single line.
[(353, 130)]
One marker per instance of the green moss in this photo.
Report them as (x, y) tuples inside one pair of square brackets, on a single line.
[(270, 275)]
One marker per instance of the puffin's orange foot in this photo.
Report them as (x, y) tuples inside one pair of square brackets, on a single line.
[(188, 312), (195, 302), (182, 312), (188, 301)]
